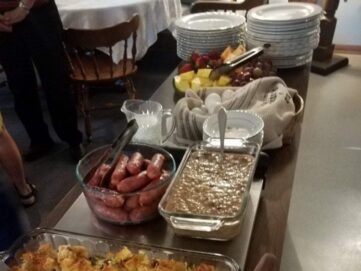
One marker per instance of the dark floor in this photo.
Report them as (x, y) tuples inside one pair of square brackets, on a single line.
[(54, 175)]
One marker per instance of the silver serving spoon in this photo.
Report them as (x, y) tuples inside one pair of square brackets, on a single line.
[(222, 124)]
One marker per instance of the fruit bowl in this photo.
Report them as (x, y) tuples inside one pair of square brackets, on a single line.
[(139, 203), (194, 74)]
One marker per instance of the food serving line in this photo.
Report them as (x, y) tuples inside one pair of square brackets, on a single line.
[(264, 226)]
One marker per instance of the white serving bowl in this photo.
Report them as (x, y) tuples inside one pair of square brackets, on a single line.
[(241, 124)]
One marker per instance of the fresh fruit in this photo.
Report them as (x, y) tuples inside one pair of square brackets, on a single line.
[(185, 68), (180, 84), (201, 62), (204, 72), (226, 52), (213, 55), (187, 76), (195, 55), (195, 73), (224, 80), (240, 50)]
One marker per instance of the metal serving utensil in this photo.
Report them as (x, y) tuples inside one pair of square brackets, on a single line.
[(111, 154), (222, 124), (235, 62)]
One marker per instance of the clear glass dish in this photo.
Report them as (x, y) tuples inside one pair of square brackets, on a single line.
[(98, 246), (207, 199), (112, 206)]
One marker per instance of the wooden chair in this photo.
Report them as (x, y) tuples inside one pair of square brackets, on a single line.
[(225, 5), (91, 67)]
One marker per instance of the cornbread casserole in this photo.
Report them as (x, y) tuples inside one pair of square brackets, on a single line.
[(74, 258)]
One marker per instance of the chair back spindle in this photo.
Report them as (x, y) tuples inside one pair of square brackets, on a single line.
[(90, 66)]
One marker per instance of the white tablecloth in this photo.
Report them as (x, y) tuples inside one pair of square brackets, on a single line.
[(155, 15)]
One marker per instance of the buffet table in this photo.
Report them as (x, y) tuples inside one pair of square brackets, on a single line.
[(155, 16), (264, 228)]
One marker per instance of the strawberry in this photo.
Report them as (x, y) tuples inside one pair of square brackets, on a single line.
[(195, 55), (185, 68), (214, 55), (202, 62)]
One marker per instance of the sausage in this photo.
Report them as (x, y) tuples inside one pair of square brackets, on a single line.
[(115, 201), (133, 183), (108, 213), (154, 169), (120, 171), (131, 203), (135, 163), (98, 175), (110, 200), (143, 213), (146, 163), (153, 195)]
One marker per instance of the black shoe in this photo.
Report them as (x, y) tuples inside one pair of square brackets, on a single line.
[(30, 198), (35, 152), (76, 152)]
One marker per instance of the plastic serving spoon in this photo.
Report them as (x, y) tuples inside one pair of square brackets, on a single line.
[(222, 124)]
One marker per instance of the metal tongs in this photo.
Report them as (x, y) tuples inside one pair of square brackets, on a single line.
[(111, 154), (235, 62)]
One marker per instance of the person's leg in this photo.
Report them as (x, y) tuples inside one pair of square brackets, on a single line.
[(43, 37), (11, 162), (21, 78)]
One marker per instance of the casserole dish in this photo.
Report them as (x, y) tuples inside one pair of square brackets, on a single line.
[(98, 247), (207, 197)]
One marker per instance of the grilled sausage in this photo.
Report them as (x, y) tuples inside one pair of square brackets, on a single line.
[(98, 175), (120, 171), (108, 213), (143, 213), (154, 169), (131, 203), (153, 195), (133, 183), (135, 163)]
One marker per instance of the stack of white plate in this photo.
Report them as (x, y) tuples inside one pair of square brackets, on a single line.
[(292, 30), (207, 31)]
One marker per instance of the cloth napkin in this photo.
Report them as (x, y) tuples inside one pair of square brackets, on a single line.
[(269, 97)]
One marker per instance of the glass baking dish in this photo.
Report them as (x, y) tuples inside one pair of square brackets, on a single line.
[(99, 246), (207, 198)]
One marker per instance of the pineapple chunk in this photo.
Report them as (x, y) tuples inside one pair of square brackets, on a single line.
[(187, 76), (180, 84), (224, 80), (203, 73), (196, 83), (206, 82)]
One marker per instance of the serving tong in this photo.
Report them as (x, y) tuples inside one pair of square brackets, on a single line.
[(111, 154), (235, 62)]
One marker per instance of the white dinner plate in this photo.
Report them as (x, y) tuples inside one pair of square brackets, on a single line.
[(284, 12), (206, 21), (282, 37), (270, 27)]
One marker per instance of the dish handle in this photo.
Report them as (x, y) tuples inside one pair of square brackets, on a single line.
[(195, 224)]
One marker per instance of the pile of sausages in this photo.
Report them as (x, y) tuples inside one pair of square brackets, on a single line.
[(134, 174)]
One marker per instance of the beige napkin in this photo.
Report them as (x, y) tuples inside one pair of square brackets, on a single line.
[(269, 97)]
